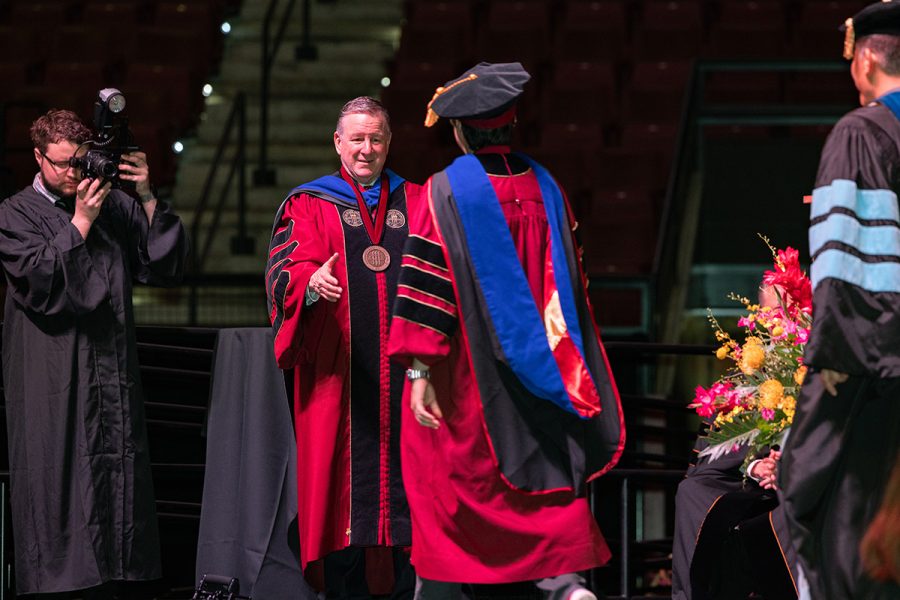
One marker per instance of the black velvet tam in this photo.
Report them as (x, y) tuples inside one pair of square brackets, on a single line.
[(484, 91)]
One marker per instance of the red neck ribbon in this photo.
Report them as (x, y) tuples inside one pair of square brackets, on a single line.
[(375, 224)]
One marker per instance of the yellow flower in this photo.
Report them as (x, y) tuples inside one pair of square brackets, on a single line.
[(753, 341), (770, 393), (752, 357), (729, 416), (800, 375), (722, 353), (778, 330), (788, 403)]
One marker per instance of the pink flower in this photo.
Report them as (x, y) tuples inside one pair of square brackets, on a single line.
[(703, 402), (748, 323), (791, 281), (767, 413)]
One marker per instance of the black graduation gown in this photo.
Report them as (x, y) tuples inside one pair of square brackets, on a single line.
[(839, 453), (83, 508)]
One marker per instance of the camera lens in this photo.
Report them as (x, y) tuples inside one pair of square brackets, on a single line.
[(102, 165)]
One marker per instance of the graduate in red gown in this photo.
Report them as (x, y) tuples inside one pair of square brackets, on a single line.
[(331, 279), (514, 407)]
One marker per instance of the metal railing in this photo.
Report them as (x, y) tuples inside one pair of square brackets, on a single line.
[(671, 267), (264, 173), (241, 243)]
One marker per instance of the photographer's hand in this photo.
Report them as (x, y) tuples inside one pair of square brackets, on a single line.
[(134, 168), (89, 199)]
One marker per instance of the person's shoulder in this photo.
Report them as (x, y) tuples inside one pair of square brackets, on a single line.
[(24, 199), (871, 117)]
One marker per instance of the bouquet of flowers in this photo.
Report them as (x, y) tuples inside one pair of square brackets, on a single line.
[(753, 403)]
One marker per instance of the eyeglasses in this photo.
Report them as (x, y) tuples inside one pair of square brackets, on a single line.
[(59, 165)]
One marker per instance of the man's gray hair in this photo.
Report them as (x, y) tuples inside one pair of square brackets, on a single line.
[(364, 105), (886, 49)]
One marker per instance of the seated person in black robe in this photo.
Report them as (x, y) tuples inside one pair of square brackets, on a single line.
[(727, 531)]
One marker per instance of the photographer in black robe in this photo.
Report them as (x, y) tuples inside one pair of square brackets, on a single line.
[(83, 510)]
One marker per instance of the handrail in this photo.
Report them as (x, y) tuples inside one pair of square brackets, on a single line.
[(265, 174), (236, 118), (694, 114)]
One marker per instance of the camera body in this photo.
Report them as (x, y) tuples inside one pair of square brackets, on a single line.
[(112, 138)]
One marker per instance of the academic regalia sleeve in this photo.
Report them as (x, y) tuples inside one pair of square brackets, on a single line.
[(159, 248), (425, 314), (295, 253), (854, 244), (856, 150), (47, 277)]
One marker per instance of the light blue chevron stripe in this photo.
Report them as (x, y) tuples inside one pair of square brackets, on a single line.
[(867, 204), (873, 277), (880, 240)]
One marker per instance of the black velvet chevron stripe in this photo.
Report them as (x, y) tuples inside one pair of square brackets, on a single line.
[(426, 251), (417, 312), (283, 235), (427, 282), (867, 258), (281, 255), (840, 210), (279, 290)]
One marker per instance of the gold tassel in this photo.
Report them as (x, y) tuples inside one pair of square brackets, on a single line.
[(849, 39), (432, 117)]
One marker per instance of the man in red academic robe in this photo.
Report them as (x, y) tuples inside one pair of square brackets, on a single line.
[(514, 407), (331, 278)]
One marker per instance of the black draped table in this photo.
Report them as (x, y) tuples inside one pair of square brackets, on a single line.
[(248, 519)]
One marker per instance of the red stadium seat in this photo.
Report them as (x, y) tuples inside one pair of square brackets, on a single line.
[(670, 30), (619, 232), (43, 13), (591, 31), (516, 31), (833, 88), (748, 29), (81, 79), (14, 78), (656, 90), (816, 32), (743, 87), (638, 168), (117, 14), (412, 87), (582, 90), (167, 93), (659, 137)]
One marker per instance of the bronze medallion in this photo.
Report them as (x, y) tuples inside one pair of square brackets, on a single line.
[(352, 218), (376, 258), (395, 219)]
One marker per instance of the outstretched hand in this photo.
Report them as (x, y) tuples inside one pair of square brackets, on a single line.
[(324, 283)]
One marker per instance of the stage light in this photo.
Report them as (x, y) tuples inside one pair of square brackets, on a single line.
[(385, 81), (207, 90), (226, 27), (178, 147)]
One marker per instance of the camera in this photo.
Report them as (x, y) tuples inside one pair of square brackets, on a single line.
[(112, 138), (219, 587)]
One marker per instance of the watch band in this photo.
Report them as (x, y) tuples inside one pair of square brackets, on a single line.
[(413, 374)]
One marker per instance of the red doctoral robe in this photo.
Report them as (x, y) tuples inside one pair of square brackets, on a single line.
[(471, 521), (346, 394)]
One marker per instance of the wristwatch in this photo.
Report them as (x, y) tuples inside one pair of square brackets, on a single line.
[(413, 374)]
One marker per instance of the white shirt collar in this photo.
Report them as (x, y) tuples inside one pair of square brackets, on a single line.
[(38, 185)]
